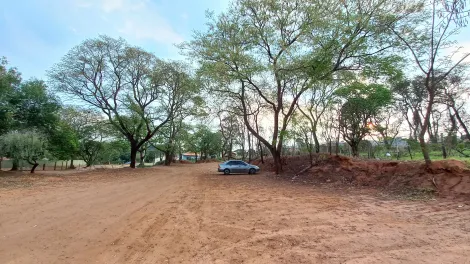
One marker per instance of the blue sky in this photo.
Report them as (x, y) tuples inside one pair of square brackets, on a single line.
[(35, 34)]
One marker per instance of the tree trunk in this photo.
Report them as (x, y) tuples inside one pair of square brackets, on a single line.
[(409, 151), (424, 149), (196, 156), (317, 144), (55, 165), (337, 144), (34, 167), (230, 150), (1, 159), (243, 149), (444, 151), (422, 133), (134, 150), (142, 158), (168, 158), (14, 166), (462, 124), (249, 147), (329, 146), (261, 151), (355, 149), (72, 167), (277, 161)]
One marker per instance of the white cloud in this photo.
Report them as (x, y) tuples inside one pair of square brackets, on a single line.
[(136, 19), (112, 5), (155, 30)]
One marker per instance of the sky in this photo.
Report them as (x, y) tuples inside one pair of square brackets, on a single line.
[(35, 34)]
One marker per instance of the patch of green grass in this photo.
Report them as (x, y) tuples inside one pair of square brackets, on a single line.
[(418, 156)]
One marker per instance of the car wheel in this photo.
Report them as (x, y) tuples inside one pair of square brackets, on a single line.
[(251, 171), (226, 171)]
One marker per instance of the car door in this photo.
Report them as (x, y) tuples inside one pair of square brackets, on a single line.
[(242, 167), (232, 166)]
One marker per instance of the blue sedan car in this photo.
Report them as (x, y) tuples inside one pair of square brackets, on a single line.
[(237, 166)]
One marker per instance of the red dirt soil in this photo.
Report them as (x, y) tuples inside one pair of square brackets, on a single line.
[(191, 214), (446, 178)]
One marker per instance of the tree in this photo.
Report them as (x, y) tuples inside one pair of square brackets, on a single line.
[(89, 130), (275, 50), (411, 99), (302, 127), (428, 36), (63, 141), (169, 136), (128, 84), (205, 142), (362, 104), (167, 140), (387, 123), (34, 107), (25, 145), (317, 101), (116, 151), (454, 92), (209, 143), (228, 123), (10, 78)]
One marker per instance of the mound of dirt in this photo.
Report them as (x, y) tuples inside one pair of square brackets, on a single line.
[(448, 177)]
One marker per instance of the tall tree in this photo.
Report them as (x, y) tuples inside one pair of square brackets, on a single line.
[(126, 83), (388, 123), (167, 140), (29, 146), (63, 142), (317, 101), (428, 36), (10, 79), (275, 50), (35, 107), (362, 104), (454, 97)]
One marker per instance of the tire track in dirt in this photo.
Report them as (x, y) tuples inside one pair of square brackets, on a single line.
[(189, 214), (317, 228)]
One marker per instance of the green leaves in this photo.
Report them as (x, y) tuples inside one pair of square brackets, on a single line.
[(35, 107), (10, 78), (366, 97), (362, 102), (28, 145)]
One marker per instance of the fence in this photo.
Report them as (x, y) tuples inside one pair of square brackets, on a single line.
[(50, 165)]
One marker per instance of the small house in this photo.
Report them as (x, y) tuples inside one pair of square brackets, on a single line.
[(189, 156)]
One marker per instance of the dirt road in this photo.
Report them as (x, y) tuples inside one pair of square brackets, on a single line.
[(189, 214)]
